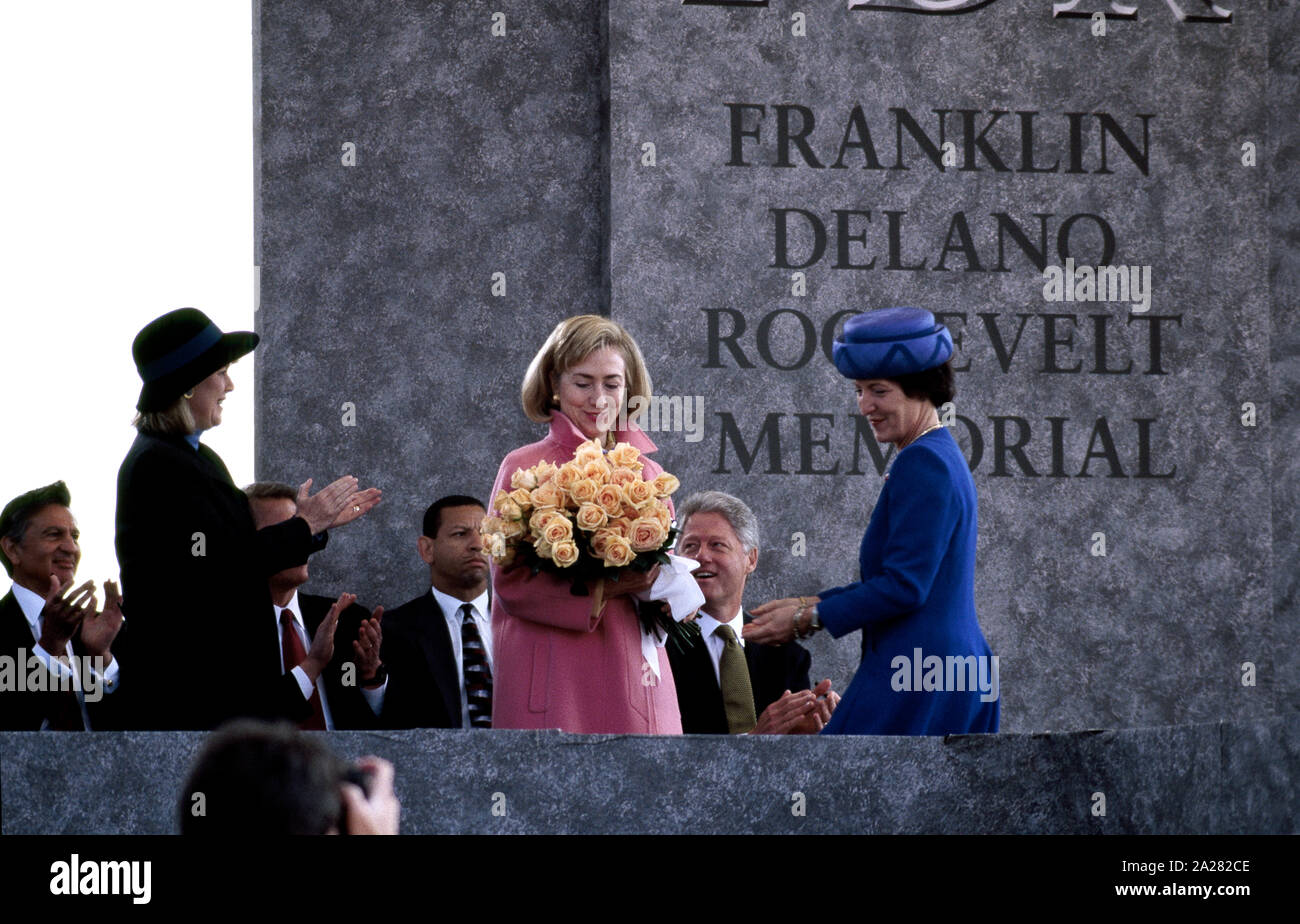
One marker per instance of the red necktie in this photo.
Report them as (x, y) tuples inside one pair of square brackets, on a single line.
[(295, 654)]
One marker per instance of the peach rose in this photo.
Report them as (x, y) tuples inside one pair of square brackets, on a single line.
[(523, 479), (541, 516), (509, 510), (584, 491), (496, 546), (610, 498), (587, 452), (547, 495), (618, 552), (567, 474), (543, 548), (622, 477), (544, 471), (502, 497), (564, 553), (597, 470), (521, 497), (624, 455), (666, 484), (599, 539), (490, 525), (660, 512), (621, 525), (591, 517), (513, 529), (647, 535), (639, 493), (558, 529)]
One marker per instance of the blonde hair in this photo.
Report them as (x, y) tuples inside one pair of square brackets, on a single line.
[(572, 341), (177, 420)]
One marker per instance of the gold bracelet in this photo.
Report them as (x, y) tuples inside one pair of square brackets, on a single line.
[(794, 621)]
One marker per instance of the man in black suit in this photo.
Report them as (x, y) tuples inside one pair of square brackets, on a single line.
[(721, 533), (434, 642), (348, 693), (61, 672)]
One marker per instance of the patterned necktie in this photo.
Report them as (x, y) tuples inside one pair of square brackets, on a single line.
[(733, 677), (477, 672), (295, 654)]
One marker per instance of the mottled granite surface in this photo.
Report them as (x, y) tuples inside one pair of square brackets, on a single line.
[(1216, 778), (1282, 162), (385, 353)]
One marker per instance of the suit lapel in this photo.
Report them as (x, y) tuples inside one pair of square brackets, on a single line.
[(15, 631), (438, 650)]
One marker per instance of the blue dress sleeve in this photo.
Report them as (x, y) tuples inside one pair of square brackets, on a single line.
[(922, 508)]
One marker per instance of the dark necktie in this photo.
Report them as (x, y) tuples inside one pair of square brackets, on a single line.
[(733, 677), (477, 672), (295, 654), (62, 710), (65, 711)]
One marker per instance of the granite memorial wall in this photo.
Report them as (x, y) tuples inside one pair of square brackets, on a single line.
[(1084, 199)]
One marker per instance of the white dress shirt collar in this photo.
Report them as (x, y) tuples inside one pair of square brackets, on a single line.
[(294, 608), (714, 644), (450, 605), (31, 604)]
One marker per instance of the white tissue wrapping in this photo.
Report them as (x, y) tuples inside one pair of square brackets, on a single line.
[(674, 585)]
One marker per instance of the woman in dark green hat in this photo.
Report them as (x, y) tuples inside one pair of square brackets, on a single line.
[(204, 644), (926, 668)]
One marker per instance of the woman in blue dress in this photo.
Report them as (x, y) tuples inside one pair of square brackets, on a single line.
[(926, 668)]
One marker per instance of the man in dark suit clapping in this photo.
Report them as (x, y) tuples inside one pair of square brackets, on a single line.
[(60, 672), (723, 685), (346, 687)]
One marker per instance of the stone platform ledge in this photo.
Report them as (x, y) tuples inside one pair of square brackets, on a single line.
[(1215, 778)]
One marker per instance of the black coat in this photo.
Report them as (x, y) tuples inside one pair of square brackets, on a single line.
[(204, 647), (773, 669)]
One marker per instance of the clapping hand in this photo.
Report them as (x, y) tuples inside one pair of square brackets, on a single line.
[(369, 640), (64, 610), (827, 700), (336, 505), (322, 643), (803, 713), (98, 630)]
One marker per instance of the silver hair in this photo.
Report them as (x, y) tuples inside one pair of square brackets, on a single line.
[(734, 510)]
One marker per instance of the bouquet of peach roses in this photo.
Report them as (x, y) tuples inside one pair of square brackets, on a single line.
[(579, 519), (587, 519)]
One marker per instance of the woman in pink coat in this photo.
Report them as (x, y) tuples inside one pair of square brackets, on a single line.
[(559, 661)]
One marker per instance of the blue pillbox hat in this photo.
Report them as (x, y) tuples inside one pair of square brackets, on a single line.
[(890, 342)]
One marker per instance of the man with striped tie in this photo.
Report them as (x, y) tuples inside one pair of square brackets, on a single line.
[(438, 647)]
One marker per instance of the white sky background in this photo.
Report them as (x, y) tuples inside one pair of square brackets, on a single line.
[(126, 190)]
